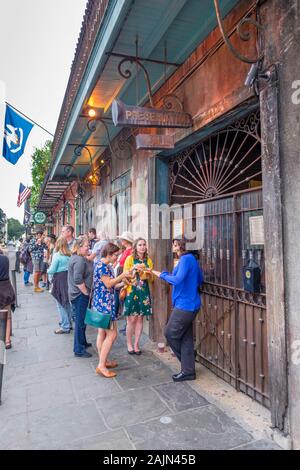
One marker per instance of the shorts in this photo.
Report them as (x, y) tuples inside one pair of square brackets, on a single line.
[(38, 265), (45, 267)]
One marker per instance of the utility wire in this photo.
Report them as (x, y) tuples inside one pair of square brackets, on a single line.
[(34, 122)]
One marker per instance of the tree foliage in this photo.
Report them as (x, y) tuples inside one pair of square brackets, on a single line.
[(40, 163), (2, 224), (14, 229), (2, 218)]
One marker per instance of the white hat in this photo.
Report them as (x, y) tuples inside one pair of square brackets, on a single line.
[(127, 236)]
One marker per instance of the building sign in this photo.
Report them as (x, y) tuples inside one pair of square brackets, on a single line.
[(136, 116), (39, 218), (154, 142), (178, 229), (256, 225)]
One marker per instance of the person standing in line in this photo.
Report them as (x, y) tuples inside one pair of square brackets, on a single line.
[(126, 240), (45, 265), (187, 278), (59, 271), (26, 260), (37, 247), (52, 245), (138, 301), (96, 251), (19, 245), (67, 232), (80, 279), (103, 301), (7, 296), (92, 234)]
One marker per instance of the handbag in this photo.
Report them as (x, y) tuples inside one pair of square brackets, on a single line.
[(123, 293), (97, 319)]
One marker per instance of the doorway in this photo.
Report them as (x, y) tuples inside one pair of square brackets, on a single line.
[(223, 176)]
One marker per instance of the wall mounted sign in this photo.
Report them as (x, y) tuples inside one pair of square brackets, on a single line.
[(154, 142), (178, 229), (256, 225), (39, 217), (136, 116)]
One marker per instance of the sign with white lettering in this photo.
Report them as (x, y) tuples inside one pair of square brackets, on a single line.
[(154, 142), (136, 116)]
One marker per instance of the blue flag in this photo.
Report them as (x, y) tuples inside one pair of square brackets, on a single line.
[(16, 132)]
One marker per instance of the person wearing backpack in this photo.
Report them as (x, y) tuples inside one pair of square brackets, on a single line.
[(26, 260)]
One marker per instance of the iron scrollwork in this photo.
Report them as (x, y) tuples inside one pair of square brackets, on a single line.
[(244, 35), (122, 144), (128, 74)]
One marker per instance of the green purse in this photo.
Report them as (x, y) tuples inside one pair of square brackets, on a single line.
[(97, 319)]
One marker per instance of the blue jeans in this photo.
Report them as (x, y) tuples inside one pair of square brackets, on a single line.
[(26, 277), (65, 316), (80, 304)]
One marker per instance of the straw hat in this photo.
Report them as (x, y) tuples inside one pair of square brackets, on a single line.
[(127, 236)]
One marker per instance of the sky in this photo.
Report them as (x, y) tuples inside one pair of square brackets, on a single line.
[(37, 46)]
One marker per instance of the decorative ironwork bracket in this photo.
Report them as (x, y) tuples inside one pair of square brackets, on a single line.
[(127, 74), (95, 171), (171, 101), (244, 35), (92, 126)]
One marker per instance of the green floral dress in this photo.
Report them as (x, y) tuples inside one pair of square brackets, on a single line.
[(138, 300)]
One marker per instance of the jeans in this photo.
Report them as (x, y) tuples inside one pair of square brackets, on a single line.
[(65, 316), (73, 310), (179, 334), (26, 276), (80, 304)]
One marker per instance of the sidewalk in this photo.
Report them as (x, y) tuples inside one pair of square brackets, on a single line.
[(52, 400)]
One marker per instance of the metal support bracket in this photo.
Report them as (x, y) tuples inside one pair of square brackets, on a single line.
[(244, 35)]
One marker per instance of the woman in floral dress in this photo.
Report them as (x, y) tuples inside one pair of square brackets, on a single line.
[(138, 301), (103, 301)]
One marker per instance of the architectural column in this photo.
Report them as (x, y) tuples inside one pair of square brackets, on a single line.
[(281, 175)]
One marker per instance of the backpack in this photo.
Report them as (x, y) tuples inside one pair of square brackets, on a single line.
[(24, 256)]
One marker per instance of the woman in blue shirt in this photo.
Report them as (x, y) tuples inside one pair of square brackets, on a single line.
[(186, 279), (59, 271)]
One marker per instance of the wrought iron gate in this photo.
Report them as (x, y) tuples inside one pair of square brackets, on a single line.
[(223, 174)]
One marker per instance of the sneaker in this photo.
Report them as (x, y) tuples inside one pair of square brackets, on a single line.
[(85, 354), (38, 289), (28, 284)]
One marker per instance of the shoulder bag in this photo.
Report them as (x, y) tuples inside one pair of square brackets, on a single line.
[(97, 319)]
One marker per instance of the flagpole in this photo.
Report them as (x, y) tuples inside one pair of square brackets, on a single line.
[(27, 117)]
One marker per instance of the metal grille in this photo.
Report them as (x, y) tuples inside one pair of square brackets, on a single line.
[(224, 163), (231, 331)]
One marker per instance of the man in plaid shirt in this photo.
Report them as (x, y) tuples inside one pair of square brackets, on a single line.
[(37, 249)]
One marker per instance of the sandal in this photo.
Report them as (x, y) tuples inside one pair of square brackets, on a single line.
[(106, 373), (111, 364), (8, 345)]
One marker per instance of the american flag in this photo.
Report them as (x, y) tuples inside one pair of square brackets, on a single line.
[(24, 194)]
